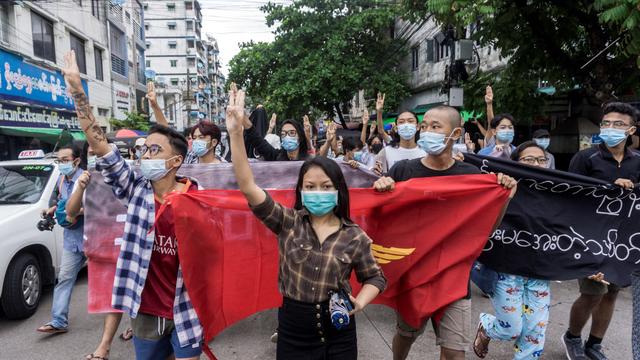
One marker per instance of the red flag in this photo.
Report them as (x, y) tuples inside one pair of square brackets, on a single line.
[(426, 235)]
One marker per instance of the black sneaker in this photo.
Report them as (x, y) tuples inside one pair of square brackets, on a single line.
[(595, 352), (573, 348)]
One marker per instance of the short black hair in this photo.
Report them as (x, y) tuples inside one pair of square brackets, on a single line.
[(178, 141), (76, 152), (351, 143), (622, 108), (515, 155), (333, 171), (498, 118)]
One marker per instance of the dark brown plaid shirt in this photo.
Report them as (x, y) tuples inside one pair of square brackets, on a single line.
[(309, 270)]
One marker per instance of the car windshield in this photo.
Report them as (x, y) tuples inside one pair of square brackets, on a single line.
[(23, 184)]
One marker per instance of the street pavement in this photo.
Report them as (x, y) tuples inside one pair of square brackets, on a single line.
[(249, 339)]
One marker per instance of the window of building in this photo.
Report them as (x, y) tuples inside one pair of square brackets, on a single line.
[(171, 6), (174, 81), (103, 112), (174, 63), (118, 51), (5, 25), (171, 25), (188, 5), (95, 8), (173, 44), (42, 31), (444, 51), (191, 44), (147, 63), (97, 53), (189, 25), (415, 58), (128, 15), (430, 52), (77, 44), (191, 62), (140, 65)]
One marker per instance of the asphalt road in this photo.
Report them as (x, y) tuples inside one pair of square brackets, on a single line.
[(249, 339)]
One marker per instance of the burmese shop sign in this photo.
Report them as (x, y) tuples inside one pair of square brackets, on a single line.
[(24, 82)]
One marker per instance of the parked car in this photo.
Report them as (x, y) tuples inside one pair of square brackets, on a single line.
[(29, 257)]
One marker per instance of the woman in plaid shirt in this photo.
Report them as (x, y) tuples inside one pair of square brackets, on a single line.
[(319, 246)]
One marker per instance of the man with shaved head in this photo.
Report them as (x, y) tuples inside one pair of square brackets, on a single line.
[(440, 129)]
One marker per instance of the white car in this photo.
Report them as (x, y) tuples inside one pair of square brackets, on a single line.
[(29, 258)]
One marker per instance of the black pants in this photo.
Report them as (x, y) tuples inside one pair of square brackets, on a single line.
[(305, 332)]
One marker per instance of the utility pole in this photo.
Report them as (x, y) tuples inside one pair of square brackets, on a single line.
[(188, 98)]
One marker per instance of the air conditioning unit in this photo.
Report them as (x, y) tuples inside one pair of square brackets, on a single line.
[(456, 97)]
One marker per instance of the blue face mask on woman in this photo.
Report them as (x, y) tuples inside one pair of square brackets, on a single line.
[(613, 137), (319, 203), (290, 143), (154, 169), (505, 136), (407, 131), (66, 168), (199, 147), (543, 142)]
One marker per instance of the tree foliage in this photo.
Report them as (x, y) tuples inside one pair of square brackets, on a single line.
[(552, 40), (134, 121), (323, 53)]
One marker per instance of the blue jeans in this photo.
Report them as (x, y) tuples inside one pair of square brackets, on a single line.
[(70, 266), (522, 314)]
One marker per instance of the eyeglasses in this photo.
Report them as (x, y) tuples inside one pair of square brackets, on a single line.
[(152, 149), (531, 160), (292, 133), (619, 124)]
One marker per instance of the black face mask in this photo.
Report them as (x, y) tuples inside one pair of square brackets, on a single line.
[(375, 148)]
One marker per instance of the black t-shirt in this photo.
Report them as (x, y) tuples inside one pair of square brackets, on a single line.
[(409, 169), (598, 162)]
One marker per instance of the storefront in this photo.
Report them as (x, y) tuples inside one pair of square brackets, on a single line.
[(36, 111)]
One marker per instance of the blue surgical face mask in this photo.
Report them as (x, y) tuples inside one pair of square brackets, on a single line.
[(432, 143), (613, 137), (153, 169), (543, 142), (66, 168), (138, 154), (407, 131), (505, 136), (199, 147), (91, 162), (357, 156), (290, 143), (319, 203)]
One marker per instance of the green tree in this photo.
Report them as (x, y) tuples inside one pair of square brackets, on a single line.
[(323, 53), (553, 40), (134, 121)]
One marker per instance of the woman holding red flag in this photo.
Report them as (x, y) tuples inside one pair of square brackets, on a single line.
[(319, 246)]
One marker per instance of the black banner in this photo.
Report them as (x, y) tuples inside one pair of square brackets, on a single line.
[(563, 226)]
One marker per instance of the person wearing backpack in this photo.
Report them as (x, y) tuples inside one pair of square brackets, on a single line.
[(68, 162)]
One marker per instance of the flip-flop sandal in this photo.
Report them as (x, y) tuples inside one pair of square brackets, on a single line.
[(95, 357), (477, 342), (50, 329)]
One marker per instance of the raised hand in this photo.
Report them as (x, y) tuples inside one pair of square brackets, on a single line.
[(307, 125), (235, 109), (380, 102), (331, 132), (365, 117), (471, 146), (71, 71), (272, 122), (488, 95), (151, 93)]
